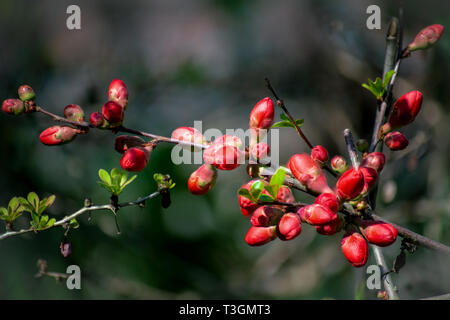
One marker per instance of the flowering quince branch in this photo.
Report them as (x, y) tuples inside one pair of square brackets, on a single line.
[(88, 208), (267, 200)]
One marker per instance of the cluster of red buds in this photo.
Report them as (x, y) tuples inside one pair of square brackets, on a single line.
[(404, 111), (114, 109)]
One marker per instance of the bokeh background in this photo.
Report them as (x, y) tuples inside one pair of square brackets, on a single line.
[(186, 60)]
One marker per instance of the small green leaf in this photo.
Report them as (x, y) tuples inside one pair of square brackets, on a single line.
[(116, 176), (26, 205), (3, 213), (266, 198), (172, 185), (299, 122), (13, 204), (33, 199), (43, 221), (74, 223), (256, 189), (387, 78), (123, 178), (246, 194), (50, 223), (50, 201), (128, 181), (283, 124), (104, 176), (283, 116), (277, 181)]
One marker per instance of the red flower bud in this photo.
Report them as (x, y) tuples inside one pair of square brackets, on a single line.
[(350, 184), (202, 180), (13, 106), (113, 112), (328, 200), (355, 249), (124, 142), (339, 164), (370, 176), (285, 195), (257, 236), (330, 228), (319, 154), (265, 216), (380, 233), (97, 120), (57, 135), (309, 173), (404, 111), (188, 134), (117, 92), (74, 112), (259, 150), (396, 141), (135, 159), (222, 157), (374, 160), (246, 205), (262, 114), (316, 214), (26, 93), (426, 38), (289, 226)]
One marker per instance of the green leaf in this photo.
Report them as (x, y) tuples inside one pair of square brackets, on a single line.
[(128, 181), (283, 124), (283, 116), (299, 122), (33, 199), (246, 194), (266, 198), (45, 203), (123, 178), (277, 181), (377, 88), (26, 205), (387, 78), (116, 176), (256, 189), (13, 204), (3, 213), (104, 176), (43, 221), (74, 223), (50, 223), (50, 201)]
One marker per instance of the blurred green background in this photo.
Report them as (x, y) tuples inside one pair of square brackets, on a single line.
[(188, 60)]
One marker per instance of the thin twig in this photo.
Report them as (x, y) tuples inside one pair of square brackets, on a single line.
[(281, 104), (351, 148), (86, 125), (74, 215)]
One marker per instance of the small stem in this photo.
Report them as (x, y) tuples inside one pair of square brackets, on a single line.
[(281, 104), (351, 148), (387, 280), (87, 125)]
